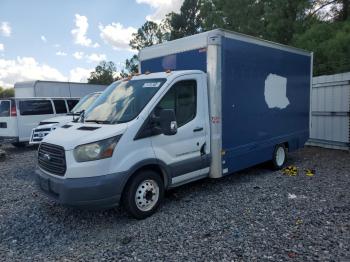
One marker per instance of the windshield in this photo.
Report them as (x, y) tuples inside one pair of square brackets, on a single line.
[(123, 101), (84, 103)]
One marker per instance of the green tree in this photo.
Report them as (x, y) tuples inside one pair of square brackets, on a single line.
[(187, 22), (104, 73), (284, 18), (275, 20), (7, 92), (131, 67), (330, 43), (243, 16), (149, 34)]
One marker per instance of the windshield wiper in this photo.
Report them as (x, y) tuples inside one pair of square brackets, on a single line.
[(81, 115), (98, 121)]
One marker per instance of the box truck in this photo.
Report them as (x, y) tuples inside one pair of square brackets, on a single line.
[(204, 106), (40, 88)]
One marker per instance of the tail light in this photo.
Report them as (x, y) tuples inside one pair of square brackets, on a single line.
[(13, 109)]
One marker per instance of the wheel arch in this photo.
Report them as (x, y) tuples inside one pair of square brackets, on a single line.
[(150, 164)]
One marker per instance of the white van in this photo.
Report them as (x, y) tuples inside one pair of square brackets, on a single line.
[(48, 125), (18, 116)]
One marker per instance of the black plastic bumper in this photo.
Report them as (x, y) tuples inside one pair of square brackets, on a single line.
[(91, 192)]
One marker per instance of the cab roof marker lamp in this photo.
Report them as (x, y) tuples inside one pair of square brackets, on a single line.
[(96, 150)]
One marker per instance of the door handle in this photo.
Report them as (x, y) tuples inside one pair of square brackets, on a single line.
[(198, 129)]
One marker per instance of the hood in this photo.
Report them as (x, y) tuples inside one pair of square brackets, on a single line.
[(61, 120), (80, 133)]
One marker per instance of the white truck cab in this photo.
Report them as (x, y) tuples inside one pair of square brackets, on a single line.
[(155, 125), (48, 125)]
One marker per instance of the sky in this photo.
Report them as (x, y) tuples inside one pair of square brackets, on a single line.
[(64, 40)]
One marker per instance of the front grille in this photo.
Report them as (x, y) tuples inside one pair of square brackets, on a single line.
[(52, 159), (39, 134)]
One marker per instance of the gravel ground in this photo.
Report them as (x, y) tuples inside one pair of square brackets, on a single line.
[(253, 215)]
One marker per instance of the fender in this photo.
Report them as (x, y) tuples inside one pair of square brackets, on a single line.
[(166, 171)]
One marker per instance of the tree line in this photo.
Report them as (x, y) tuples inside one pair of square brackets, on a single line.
[(8, 92), (320, 26)]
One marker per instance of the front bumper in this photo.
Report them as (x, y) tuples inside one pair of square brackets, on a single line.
[(92, 192)]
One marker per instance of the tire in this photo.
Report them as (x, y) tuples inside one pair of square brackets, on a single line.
[(279, 157), (148, 188), (19, 144)]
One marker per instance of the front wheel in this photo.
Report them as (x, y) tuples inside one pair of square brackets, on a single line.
[(279, 157), (143, 194)]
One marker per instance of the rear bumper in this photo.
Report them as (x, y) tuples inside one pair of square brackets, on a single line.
[(8, 139), (92, 192)]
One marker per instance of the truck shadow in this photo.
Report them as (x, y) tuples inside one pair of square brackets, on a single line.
[(173, 197)]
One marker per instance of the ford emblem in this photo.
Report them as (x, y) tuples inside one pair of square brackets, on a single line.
[(47, 157)]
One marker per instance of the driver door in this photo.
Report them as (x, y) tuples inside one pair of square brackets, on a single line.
[(185, 153)]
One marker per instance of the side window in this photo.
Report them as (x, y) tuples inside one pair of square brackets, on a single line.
[(35, 107), (71, 103), (182, 98), (4, 108), (60, 106)]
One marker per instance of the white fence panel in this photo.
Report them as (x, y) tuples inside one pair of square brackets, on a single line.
[(330, 121)]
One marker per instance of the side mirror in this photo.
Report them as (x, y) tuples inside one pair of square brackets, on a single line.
[(167, 122)]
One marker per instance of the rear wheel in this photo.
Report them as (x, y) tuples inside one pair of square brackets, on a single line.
[(279, 157), (19, 144), (143, 194)]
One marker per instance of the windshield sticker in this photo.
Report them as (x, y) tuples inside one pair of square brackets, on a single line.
[(151, 84)]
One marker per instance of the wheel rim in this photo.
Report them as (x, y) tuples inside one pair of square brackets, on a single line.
[(147, 195), (280, 156)]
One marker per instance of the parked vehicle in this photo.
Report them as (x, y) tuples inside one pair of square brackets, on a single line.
[(232, 102), (48, 125), (55, 89), (18, 116)]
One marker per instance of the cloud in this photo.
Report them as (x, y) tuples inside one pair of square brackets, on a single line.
[(117, 35), (91, 58), (78, 55), (56, 45), (61, 53), (43, 38), (79, 74), (95, 57), (24, 69), (161, 8), (5, 29), (79, 32), (2, 47)]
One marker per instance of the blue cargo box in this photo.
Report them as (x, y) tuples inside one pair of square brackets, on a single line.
[(259, 92)]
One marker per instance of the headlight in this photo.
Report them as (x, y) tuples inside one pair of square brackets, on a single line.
[(97, 150)]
